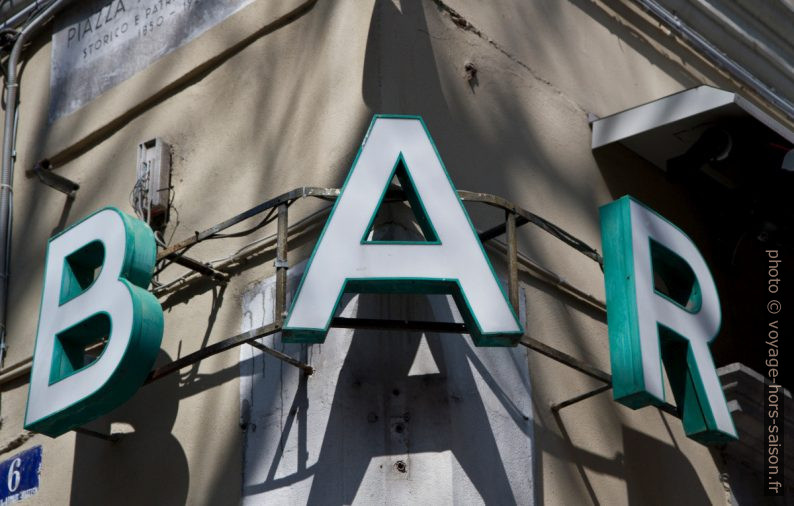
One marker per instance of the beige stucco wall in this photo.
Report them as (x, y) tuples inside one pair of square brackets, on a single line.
[(279, 96)]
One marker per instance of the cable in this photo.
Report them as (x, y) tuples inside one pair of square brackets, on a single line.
[(267, 219), (299, 224), (224, 262)]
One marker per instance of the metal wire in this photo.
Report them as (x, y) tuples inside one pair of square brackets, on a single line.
[(267, 219)]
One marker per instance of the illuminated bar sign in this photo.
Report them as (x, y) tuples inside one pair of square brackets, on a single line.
[(662, 304)]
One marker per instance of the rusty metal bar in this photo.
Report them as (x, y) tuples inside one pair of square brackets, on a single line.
[(307, 369), (500, 229), (584, 368), (201, 268), (211, 350), (382, 324), (532, 268), (251, 335), (536, 220), (573, 400), (566, 359), (556, 407), (405, 325), (113, 437), (512, 259), (281, 265)]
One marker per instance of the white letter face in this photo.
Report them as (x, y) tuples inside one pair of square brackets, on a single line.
[(647, 326), (453, 262), (80, 307)]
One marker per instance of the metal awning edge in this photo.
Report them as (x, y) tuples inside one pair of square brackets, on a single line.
[(679, 106)]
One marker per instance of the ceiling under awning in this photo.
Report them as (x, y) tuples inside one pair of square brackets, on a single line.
[(666, 128)]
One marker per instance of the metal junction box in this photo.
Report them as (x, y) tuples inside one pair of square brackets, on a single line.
[(152, 190)]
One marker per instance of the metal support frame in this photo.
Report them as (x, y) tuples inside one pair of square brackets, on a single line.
[(564, 358), (523, 216), (213, 349), (285, 198), (43, 171), (556, 407), (584, 368), (512, 259), (202, 268), (515, 217), (281, 265), (307, 369), (403, 325)]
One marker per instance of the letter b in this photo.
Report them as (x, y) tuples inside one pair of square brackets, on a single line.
[(94, 292)]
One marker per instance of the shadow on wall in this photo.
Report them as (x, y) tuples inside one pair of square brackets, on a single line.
[(433, 426), (645, 464), (399, 62), (147, 466), (409, 415), (375, 378), (649, 466)]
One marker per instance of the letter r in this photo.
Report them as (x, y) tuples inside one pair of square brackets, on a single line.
[(95, 280), (662, 305)]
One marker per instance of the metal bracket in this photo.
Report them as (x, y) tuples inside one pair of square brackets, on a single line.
[(43, 170), (564, 358), (584, 368), (307, 369), (201, 268), (514, 217)]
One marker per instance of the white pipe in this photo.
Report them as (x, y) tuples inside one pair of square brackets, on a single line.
[(7, 174)]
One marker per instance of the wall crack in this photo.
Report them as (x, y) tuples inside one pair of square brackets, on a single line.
[(464, 24)]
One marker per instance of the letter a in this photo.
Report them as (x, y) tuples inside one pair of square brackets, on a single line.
[(662, 305), (95, 282), (453, 262)]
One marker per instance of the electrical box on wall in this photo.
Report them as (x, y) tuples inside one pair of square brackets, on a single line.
[(152, 192)]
